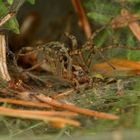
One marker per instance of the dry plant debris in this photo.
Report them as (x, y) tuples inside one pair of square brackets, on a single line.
[(56, 60), (45, 65), (3, 64), (4, 19), (123, 66), (12, 12), (127, 19), (67, 65), (82, 17)]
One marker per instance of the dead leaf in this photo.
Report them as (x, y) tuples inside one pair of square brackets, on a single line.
[(121, 66)]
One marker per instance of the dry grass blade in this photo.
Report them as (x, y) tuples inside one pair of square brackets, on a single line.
[(3, 65), (37, 115), (76, 109)]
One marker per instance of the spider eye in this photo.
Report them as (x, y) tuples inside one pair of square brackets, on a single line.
[(80, 73)]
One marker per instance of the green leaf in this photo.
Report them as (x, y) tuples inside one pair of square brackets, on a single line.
[(12, 24), (137, 120), (136, 85), (131, 42), (103, 37), (100, 11), (31, 1), (10, 1), (134, 55), (99, 18)]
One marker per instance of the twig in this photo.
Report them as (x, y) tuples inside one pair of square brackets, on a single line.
[(76, 109), (3, 66), (127, 19), (64, 94), (12, 11), (82, 17), (70, 91), (24, 103), (26, 114), (40, 105), (4, 19)]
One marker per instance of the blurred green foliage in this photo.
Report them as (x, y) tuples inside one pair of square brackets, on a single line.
[(101, 12), (12, 24)]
